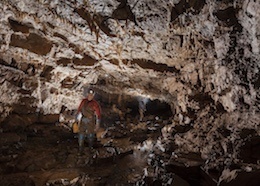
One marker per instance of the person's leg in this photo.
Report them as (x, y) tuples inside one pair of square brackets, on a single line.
[(91, 138), (82, 133), (81, 138), (141, 115)]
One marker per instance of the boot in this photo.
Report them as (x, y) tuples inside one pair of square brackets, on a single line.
[(91, 154), (80, 152)]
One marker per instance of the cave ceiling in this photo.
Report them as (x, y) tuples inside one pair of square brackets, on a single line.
[(186, 53)]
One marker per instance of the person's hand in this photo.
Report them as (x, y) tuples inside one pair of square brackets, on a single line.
[(97, 125), (79, 116), (96, 128)]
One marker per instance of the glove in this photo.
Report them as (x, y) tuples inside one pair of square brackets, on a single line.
[(79, 116), (97, 121)]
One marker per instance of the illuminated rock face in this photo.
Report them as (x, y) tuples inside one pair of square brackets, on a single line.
[(201, 57)]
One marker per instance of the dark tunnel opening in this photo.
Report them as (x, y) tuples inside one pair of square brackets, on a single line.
[(154, 108), (128, 106)]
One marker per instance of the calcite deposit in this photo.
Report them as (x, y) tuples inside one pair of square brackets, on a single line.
[(200, 57)]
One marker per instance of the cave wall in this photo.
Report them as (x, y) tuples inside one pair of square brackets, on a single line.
[(199, 56)]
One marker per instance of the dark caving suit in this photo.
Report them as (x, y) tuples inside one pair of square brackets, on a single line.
[(89, 123)]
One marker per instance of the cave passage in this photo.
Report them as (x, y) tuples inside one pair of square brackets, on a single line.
[(46, 152)]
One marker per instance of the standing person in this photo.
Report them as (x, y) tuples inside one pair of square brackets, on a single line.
[(88, 116), (142, 107)]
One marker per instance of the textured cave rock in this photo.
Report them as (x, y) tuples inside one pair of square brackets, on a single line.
[(199, 57)]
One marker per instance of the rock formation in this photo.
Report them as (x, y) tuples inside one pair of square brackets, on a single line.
[(199, 56)]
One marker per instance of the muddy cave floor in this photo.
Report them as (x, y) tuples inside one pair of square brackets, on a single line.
[(47, 154)]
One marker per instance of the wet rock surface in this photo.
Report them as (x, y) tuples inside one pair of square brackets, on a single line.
[(47, 154), (140, 153)]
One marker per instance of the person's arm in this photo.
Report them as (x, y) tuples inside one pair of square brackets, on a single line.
[(80, 106), (97, 110), (79, 114)]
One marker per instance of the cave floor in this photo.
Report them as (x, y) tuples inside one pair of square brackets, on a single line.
[(47, 154)]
